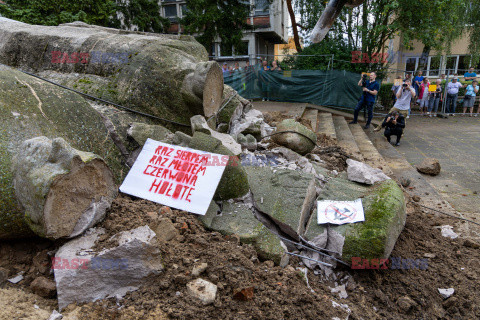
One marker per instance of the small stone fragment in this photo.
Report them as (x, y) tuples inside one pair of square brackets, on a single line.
[(203, 290), (445, 293), (199, 269), (430, 255), (429, 166), (55, 315), (243, 294), (44, 287), (471, 244), (165, 230), (416, 198), (405, 303)]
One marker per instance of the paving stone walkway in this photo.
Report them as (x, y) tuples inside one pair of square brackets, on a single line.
[(455, 142)]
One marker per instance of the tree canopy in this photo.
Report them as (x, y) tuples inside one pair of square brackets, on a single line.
[(209, 19), (435, 23), (142, 15)]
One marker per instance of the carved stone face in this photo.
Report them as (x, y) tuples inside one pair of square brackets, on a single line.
[(354, 3)]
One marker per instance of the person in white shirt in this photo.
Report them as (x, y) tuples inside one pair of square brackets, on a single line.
[(452, 96)]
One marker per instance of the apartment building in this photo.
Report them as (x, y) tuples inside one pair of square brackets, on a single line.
[(269, 20), (439, 63)]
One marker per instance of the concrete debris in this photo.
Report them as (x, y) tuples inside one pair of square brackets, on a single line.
[(199, 269), (251, 122), (342, 293), (17, 278), (55, 315), (447, 232), (446, 293), (203, 290), (199, 124), (363, 173), (85, 274)]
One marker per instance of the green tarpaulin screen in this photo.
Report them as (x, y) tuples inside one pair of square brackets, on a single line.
[(327, 88)]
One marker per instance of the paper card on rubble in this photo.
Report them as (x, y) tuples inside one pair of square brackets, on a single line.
[(340, 212), (174, 176)]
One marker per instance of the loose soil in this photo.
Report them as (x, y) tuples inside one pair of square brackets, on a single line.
[(278, 293)]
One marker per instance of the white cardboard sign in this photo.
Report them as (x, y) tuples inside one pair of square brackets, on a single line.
[(174, 176), (340, 212)]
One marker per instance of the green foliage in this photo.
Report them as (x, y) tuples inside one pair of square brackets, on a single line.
[(49, 12), (210, 19), (311, 58), (144, 14)]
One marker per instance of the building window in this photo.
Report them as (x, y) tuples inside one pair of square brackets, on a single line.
[(184, 10), (242, 50), (411, 64), (262, 7), (225, 50), (171, 12), (451, 66), (434, 66), (463, 64)]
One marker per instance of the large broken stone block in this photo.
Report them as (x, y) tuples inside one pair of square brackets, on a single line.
[(385, 214), (238, 218), (298, 138), (140, 132), (84, 273), (63, 191), (200, 124), (287, 195), (363, 173), (234, 182)]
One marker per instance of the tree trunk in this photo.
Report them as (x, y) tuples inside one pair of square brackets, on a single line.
[(296, 39), (168, 76)]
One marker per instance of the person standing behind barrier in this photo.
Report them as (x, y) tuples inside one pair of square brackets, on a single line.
[(470, 75), (275, 66), (434, 99), (417, 82), (367, 100), (397, 84), (248, 79), (452, 96), (264, 81), (424, 96), (470, 95)]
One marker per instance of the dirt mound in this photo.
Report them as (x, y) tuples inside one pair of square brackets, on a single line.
[(278, 293)]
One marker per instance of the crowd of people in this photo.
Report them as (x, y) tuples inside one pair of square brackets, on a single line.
[(429, 95)]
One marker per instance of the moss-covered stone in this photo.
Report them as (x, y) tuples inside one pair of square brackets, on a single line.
[(301, 143), (237, 218), (140, 132), (385, 214), (32, 108), (286, 195), (234, 182)]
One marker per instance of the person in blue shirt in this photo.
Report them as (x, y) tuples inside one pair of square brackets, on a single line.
[(470, 95), (470, 75), (367, 100), (417, 82)]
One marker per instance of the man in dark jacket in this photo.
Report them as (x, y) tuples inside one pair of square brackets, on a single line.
[(394, 123)]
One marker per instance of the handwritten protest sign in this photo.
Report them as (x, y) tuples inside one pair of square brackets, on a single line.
[(340, 212), (178, 177)]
